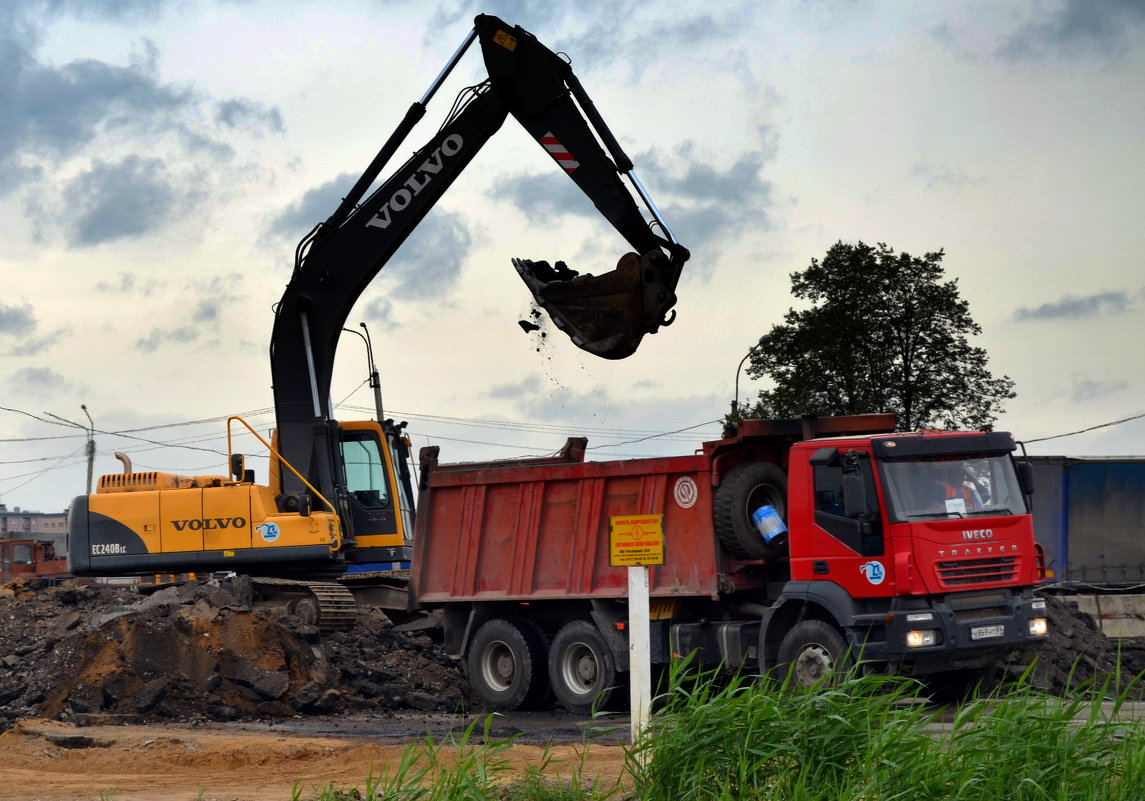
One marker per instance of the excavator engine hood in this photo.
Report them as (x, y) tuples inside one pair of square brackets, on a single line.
[(608, 314)]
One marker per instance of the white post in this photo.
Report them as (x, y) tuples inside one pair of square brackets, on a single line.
[(639, 649)]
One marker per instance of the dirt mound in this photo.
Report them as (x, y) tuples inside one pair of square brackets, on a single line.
[(1077, 653), (100, 654)]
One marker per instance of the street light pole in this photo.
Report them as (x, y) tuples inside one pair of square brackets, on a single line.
[(375, 379), (764, 341)]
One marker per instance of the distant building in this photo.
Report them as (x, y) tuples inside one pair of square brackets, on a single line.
[(17, 524)]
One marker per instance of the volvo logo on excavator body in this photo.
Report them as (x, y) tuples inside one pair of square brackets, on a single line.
[(209, 523), (400, 199)]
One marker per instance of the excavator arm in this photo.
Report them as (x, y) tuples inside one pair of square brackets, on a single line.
[(606, 314)]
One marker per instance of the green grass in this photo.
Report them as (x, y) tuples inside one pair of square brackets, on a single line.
[(864, 738), (870, 738)]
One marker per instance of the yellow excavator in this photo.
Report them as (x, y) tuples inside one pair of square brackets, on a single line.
[(339, 500)]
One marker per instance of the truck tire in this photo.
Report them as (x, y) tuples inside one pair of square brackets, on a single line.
[(506, 665), (582, 670), (742, 490), (811, 653)]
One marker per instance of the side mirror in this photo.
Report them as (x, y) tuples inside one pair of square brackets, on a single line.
[(238, 466), (1026, 477)]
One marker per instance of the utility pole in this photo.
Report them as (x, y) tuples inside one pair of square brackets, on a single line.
[(89, 449), (90, 446)]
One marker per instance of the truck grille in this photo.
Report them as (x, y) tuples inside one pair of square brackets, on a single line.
[(977, 571)]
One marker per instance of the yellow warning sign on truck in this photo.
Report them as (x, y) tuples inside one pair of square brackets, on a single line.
[(636, 540)]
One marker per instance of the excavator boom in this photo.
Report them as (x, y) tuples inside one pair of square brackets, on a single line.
[(605, 314)]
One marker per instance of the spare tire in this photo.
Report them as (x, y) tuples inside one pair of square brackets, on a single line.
[(743, 489)]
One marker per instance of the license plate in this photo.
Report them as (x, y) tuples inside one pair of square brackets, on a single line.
[(986, 632)]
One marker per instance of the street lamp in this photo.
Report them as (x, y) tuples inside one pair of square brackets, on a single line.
[(764, 341), (375, 379)]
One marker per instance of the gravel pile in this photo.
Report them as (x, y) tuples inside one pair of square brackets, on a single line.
[(103, 654)]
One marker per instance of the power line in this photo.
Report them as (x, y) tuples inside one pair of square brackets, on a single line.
[(1091, 428)]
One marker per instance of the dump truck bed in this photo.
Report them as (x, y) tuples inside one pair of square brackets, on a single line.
[(535, 529)]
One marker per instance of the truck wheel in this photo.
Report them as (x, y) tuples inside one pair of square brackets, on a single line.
[(742, 490), (506, 665), (812, 652), (581, 668)]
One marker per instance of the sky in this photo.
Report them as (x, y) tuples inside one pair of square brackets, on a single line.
[(160, 160)]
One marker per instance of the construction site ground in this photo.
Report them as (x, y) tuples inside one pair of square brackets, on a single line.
[(191, 692)]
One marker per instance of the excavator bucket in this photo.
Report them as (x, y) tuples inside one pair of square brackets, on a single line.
[(606, 315)]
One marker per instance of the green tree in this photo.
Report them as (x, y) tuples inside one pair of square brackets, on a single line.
[(884, 333)]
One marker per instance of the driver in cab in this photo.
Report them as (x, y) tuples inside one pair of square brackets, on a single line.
[(953, 491)]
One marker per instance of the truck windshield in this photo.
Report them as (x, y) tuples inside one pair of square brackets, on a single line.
[(953, 486)]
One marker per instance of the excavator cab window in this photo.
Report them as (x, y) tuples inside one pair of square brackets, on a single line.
[(365, 470)]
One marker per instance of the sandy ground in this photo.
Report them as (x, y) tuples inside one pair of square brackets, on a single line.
[(42, 760)]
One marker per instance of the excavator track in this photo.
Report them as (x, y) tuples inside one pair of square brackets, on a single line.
[(327, 605)]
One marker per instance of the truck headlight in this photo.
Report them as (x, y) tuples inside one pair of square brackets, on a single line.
[(921, 638), (1039, 627)]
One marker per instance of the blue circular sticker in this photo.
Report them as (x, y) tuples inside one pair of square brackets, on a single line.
[(874, 571), (268, 531)]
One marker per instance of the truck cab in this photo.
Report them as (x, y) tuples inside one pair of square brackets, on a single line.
[(919, 546)]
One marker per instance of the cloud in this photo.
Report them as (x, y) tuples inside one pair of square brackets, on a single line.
[(17, 320), (129, 198), (943, 176), (111, 10), (430, 261), (238, 113), (380, 311), (162, 336), (313, 207), (628, 37), (38, 380), (20, 324), (56, 119), (214, 295), (1086, 390), (127, 283), (709, 204), (543, 197), (54, 112), (703, 202), (526, 386), (1073, 26), (1071, 307)]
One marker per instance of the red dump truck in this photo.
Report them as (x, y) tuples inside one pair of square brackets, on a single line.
[(914, 550)]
